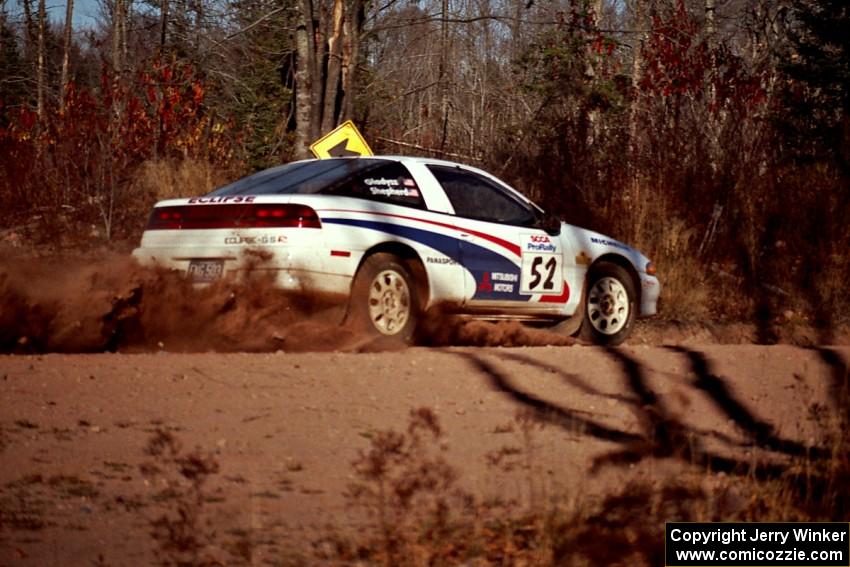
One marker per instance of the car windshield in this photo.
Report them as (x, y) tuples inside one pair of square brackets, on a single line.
[(299, 178)]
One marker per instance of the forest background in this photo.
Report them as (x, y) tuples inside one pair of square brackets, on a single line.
[(714, 135)]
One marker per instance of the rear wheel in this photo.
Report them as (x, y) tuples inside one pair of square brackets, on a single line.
[(383, 300), (609, 304)]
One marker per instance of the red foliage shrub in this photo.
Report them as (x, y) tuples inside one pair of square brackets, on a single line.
[(81, 156)]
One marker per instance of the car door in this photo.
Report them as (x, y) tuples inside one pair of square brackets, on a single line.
[(384, 203), (514, 264)]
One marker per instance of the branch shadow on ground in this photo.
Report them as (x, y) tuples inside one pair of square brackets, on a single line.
[(839, 381), (580, 384), (661, 434), (569, 419), (759, 431)]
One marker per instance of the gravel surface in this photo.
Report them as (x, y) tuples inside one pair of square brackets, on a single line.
[(78, 484)]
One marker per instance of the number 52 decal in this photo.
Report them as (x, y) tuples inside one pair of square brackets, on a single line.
[(541, 273)]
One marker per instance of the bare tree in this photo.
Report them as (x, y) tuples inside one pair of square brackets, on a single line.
[(713, 125), (41, 75), (641, 23), (163, 25), (332, 81), (66, 56), (30, 27), (120, 14), (327, 50), (304, 65), (352, 27)]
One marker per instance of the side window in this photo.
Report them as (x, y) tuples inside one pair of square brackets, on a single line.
[(389, 182), (476, 197)]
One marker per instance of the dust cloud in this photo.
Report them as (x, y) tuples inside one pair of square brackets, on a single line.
[(111, 303), (60, 304), (442, 328)]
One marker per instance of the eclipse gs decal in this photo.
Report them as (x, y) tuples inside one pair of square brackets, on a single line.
[(252, 240)]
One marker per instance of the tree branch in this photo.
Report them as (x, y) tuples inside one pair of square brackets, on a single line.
[(431, 150), (255, 23)]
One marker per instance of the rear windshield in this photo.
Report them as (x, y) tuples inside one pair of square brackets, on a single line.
[(300, 178)]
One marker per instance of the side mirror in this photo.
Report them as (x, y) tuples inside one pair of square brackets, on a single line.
[(551, 224)]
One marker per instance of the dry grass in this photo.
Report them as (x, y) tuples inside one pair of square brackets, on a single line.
[(625, 527), (172, 179), (645, 218)]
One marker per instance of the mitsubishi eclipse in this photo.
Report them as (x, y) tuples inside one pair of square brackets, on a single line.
[(400, 235)]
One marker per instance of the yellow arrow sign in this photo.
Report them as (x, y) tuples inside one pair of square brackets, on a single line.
[(343, 141)]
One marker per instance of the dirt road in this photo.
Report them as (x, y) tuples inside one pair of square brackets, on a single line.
[(277, 433)]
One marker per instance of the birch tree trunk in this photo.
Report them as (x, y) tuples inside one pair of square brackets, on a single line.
[(713, 123), (350, 54), (126, 6), (31, 29), (641, 24), (303, 81), (317, 89), (334, 67), (66, 57), (443, 75), (40, 71), (117, 15), (163, 26)]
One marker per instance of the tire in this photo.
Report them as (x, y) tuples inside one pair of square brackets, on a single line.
[(610, 305), (383, 300)]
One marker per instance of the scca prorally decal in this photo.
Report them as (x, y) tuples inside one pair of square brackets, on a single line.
[(479, 261), (538, 243)]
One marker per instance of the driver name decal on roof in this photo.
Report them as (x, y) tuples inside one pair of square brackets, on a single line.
[(391, 187), (373, 181), (392, 192)]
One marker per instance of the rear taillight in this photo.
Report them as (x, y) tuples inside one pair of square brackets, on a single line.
[(233, 216)]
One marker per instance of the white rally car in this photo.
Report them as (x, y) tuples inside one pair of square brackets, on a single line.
[(400, 235)]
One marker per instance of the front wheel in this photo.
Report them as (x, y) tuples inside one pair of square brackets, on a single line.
[(609, 304), (383, 300)]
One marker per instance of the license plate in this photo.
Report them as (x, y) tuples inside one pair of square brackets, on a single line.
[(204, 271)]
